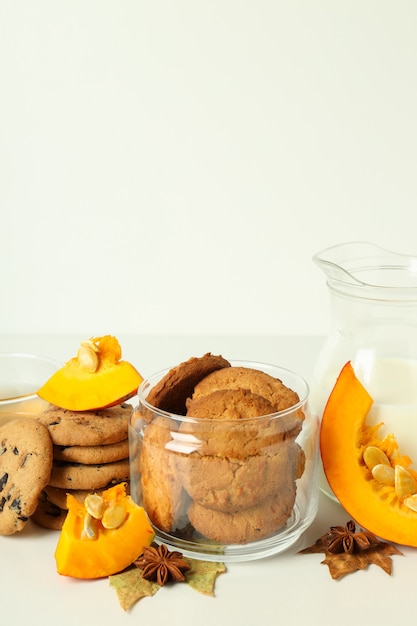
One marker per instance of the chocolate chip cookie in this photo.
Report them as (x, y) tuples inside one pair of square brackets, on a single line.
[(48, 515), (25, 468), (79, 476), (93, 455), (86, 428)]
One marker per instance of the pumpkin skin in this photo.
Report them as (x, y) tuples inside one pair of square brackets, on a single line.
[(344, 436), (76, 388), (113, 550)]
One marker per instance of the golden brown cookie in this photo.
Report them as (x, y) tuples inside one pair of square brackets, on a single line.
[(86, 428), (93, 455), (171, 392), (25, 468), (58, 496), (79, 476), (229, 404), (245, 526), (247, 451), (48, 515), (163, 496), (230, 485), (260, 383), (234, 423)]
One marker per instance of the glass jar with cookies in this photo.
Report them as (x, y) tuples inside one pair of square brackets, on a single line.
[(224, 458)]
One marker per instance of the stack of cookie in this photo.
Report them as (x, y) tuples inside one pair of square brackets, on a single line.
[(90, 452), (242, 479), (224, 473)]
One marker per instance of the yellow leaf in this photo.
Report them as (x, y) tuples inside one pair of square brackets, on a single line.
[(131, 587), (203, 574)]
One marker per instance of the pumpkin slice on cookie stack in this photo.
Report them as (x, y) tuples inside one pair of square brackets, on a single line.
[(87, 419)]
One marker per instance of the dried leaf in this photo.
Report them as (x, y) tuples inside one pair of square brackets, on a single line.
[(131, 587), (343, 563), (318, 546), (203, 574)]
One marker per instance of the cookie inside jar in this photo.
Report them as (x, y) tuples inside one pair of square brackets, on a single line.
[(225, 472)]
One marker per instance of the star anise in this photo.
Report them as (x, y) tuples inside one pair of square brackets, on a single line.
[(159, 564), (346, 539), (348, 551)]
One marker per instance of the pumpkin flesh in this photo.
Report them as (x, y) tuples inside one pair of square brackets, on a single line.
[(112, 550), (77, 388), (344, 437)]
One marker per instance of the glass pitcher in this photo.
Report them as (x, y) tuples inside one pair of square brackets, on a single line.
[(373, 295)]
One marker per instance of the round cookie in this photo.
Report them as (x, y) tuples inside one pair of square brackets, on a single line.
[(58, 495), (171, 392), (48, 515), (25, 468), (163, 496), (236, 423), (260, 383), (227, 485), (86, 428), (229, 404), (79, 476), (252, 524), (93, 455), (247, 452)]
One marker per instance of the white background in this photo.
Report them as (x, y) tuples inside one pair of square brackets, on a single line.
[(172, 166)]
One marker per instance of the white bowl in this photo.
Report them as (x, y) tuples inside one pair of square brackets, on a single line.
[(21, 375)]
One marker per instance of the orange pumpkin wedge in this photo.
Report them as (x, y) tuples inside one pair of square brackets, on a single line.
[(88, 549), (379, 504), (96, 378)]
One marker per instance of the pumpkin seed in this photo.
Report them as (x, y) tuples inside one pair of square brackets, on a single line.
[(375, 456), (411, 502), (94, 505), (89, 343), (113, 516), (89, 529), (88, 357), (405, 485), (384, 474)]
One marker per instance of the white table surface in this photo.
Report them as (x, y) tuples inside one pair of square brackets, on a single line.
[(284, 589)]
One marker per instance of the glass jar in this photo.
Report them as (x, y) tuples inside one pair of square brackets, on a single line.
[(226, 489), (373, 297)]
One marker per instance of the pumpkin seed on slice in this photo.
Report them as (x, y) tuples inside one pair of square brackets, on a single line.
[(113, 516), (405, 485), (384, 474), (411, 502), (375, 456)]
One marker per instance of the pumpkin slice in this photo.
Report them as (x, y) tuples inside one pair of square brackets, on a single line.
[(96, 378), (103, 536), (358, 465)]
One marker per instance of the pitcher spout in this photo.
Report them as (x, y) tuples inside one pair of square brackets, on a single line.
[(361, 264)]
